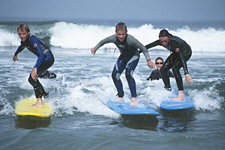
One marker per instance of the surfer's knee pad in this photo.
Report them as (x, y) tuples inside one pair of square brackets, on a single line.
[(38, 88), (32, 81), (115, 75)]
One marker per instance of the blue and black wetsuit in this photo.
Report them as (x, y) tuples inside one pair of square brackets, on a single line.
[(128, 60), (176, 60), (45, 60)]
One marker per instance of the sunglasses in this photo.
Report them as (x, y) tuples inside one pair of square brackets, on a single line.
[(159, 63)]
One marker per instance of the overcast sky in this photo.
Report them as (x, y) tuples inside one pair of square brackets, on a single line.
[(195, 10)]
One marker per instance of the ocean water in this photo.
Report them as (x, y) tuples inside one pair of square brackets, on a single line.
[(81, 120)]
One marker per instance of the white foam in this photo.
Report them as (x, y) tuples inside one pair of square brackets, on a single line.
[(206, 99), (7, 109), (153, 94), (8, 39), (70, 35), (80, 36), (88, 97)]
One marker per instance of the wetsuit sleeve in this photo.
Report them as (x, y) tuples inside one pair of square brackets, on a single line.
[(140, 46), (144, 50), (109, 39), (19, 49), (153, 44), (34, 42)]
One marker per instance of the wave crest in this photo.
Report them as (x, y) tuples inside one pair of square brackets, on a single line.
[(80, 36)]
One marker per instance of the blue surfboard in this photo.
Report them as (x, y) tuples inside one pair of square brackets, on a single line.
[(124, 108), (167, 104)]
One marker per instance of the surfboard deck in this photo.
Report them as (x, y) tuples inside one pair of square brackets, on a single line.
[(23, 108), (124, 108), (167, 104)]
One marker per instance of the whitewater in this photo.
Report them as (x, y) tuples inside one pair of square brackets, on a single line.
[(81, 36), (83, 85)]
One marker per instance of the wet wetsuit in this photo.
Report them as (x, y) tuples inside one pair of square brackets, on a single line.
[(128, 60), (45, 60), (156, 75), (176, 60)]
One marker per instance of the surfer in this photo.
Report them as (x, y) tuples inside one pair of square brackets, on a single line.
[(180, 54), (127, 60), (156, 74), (45, 60)]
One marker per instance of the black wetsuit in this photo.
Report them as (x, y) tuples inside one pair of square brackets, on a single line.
[(45, 60), (176, 60), (156, 75)]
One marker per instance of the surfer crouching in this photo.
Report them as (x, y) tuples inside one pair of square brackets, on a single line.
[(180, 53), (45, 60), (128, 59)]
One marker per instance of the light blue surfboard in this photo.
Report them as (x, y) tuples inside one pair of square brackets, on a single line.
[(167, 104), (124, 108)]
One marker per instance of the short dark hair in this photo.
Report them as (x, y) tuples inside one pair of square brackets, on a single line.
[(158, 59), (121, 26), (164, 33), (23, 26)]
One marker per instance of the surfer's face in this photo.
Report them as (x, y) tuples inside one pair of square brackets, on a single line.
[(121, 35), (23, 34), (164, 41), (159, 64)]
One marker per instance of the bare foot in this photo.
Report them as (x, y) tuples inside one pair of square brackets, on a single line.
[(134, 101), (178, 98), (118, 99), (38, 104)]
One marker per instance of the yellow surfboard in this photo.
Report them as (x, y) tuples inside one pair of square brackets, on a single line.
[(23, 108)]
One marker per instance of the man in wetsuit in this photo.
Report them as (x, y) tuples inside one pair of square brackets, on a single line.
[(127, 60), (180, 54), (156, 74), (45, 60)]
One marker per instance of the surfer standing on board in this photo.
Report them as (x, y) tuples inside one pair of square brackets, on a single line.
[(45, 60), (180, 54), (127, 60)]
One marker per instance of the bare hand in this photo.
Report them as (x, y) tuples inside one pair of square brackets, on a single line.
[(15, 58), (150, 64), (188, 79), (34, 73), (93, 51)]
